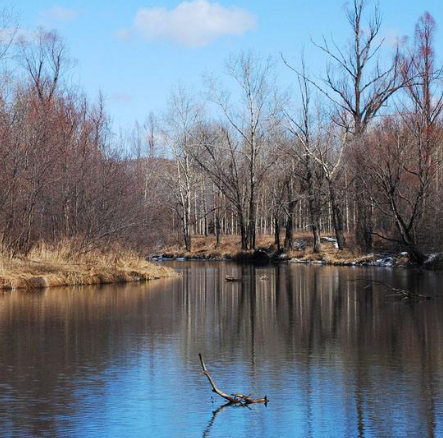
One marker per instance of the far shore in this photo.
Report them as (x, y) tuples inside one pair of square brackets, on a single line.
[(229, 249)]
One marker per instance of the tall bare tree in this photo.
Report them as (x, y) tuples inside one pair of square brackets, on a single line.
[(406, 155), (250, 119), (181, 129), (358, 86)]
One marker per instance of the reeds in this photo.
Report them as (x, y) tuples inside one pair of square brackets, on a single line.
[(65, 264)]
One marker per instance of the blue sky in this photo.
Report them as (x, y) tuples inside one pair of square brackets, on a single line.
[(135, 54)]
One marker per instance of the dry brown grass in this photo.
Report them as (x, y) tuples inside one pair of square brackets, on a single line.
[(63, 265), (205, 247), (230, 248)]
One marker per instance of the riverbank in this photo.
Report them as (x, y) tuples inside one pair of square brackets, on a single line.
[(52, 266), (204, 248)]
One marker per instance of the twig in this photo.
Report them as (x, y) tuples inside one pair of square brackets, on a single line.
[(404, 294), (235, 398)]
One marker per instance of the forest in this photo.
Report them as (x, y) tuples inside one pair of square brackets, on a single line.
[(354, 151)]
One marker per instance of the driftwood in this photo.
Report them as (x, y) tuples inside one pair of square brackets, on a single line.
[(235, 398), (402, 294)]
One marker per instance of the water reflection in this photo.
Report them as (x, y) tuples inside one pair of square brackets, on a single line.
[(335, 358)]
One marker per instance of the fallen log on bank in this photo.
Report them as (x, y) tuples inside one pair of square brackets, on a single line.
[(235, 398)]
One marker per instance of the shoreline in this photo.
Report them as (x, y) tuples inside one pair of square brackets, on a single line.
[(63, 265), (205, 249), (66, 278), (375, 260)]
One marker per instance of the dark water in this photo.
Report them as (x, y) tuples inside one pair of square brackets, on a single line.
[(335, 358)]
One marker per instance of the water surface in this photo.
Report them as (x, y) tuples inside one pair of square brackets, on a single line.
[(334, 357)]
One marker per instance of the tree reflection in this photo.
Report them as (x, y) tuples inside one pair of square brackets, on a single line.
[(331, 354)]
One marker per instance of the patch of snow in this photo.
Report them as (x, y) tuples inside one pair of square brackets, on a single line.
[(329, 239), (432, 257)]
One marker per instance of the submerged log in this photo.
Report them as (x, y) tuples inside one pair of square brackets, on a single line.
[(236, 398), (402, 294)]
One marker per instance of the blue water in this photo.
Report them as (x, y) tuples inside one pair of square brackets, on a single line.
[(336, 359)]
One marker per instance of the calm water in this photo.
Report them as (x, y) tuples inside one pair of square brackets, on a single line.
[(334, 358)]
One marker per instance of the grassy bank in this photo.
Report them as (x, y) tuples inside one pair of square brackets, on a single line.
[(204, 248), (63, 265)]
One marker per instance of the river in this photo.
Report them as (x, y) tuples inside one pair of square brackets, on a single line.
[(336, 357)]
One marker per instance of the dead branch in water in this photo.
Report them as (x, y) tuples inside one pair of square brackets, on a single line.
[(236, 398), (402, 294)]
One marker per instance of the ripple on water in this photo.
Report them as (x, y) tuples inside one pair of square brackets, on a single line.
[(334, 358)]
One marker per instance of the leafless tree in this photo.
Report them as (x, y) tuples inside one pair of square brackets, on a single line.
[(181, 128), (358, 86), (248, 123), (406, 158)]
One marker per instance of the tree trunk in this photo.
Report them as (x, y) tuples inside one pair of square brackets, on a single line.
[(317, 241), (314, 209), (289, 230), (243, 232), (187, 233), (416, 255), (365, 224), (187, 230), (337, 217), (277, 232), (289, 226), (252, 222), (217, 226)]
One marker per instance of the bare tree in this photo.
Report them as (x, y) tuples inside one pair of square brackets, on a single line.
[(408, 146), (181, 129), (359, 86), (249, 123), (151, 127), (316, 161), (45, 59)]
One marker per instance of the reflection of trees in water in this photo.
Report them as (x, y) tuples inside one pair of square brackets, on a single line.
[(426, 369), (306, 308), (52, 339), (303, 313), (281, 327)]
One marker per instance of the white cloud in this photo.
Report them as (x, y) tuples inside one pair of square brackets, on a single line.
[(193, 23), (59, 13)]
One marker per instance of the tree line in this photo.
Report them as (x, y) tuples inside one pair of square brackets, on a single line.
[(355, 152), (63, 173)]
